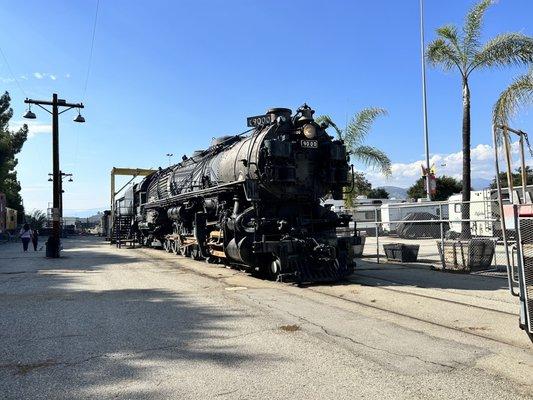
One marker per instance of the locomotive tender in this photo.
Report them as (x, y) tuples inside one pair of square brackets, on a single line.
[(253, 201)]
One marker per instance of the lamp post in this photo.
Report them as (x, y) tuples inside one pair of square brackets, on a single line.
[(61, 191), (53, 243), (424, 102), (169, 155)]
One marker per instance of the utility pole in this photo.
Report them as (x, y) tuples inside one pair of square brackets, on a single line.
[(53, 243), (424, 102), (61, 191)]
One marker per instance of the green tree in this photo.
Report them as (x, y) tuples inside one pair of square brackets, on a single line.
[(354, 137), (463, 51), (517, 180), (361, 187), (519, 93), (36, 219), (11, 143), (378, 193), (445, 187)]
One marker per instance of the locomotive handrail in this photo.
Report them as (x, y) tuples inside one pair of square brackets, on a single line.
[(353, 183), (188, 194)]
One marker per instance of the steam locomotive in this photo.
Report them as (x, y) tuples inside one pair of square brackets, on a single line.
[(253, 200)]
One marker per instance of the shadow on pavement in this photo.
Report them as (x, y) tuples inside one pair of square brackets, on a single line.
[(60, 342)]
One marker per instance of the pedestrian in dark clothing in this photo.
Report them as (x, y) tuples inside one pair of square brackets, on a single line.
[(25, 235), (35, 239)]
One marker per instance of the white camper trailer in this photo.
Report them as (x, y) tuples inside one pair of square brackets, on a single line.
[(484, 210)]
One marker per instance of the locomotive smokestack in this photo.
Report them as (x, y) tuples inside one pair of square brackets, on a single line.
[(284, 113)]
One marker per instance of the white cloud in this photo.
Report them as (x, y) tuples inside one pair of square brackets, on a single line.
[(67, 75), (34, 128), (482, 156), (53, 77), (39, 75), (6, 80)]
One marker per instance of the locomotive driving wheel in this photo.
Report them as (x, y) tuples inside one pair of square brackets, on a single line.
[(185, 251), (274, 269), (174, 247), (195, 252)]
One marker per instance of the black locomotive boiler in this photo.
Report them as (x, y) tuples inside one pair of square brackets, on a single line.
[(253, 200)]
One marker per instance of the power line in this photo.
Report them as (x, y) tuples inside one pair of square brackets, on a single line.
[(87, 78), (91, 51), (11, 72)]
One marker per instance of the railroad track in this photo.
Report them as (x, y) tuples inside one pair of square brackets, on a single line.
[(427, 321), (316, 289), (422, 295)]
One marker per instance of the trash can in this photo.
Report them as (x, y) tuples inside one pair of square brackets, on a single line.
[(401, 252)]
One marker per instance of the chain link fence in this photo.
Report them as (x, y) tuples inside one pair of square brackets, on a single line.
[(450, 235)]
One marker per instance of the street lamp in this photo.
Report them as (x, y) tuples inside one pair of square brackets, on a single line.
[(53, 243), (424, 101), (169, 155), (29, 114), (79, 118)]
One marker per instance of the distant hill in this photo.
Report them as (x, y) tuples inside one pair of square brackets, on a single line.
[(87, 213), (396, 192)]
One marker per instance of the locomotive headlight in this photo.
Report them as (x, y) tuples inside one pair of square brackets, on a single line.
[(309, 131)]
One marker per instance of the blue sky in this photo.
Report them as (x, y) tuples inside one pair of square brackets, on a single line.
[(167, 76)]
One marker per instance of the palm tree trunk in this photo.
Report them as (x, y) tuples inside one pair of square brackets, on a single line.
[(465, 210)]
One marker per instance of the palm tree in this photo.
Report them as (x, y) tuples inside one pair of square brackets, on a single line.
[(354, 136), (462, 50), (36, 219), (519, 92)]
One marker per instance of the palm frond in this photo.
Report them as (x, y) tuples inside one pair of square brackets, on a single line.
[(326, 121), (373, 157), (440, 52), (518, 94), (472, 28), (505, 49), (360, 125), (449, 34)]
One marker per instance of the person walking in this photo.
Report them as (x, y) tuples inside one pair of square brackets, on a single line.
[(35, 239), (25, 235)]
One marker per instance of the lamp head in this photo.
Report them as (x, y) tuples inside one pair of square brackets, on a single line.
[(30, 114), (79, 118)]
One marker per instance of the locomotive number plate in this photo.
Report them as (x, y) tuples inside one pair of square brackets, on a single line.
[(309, 144), (258, 120)]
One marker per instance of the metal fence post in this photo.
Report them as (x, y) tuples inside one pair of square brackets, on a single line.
[(377, 233), (442, 228)]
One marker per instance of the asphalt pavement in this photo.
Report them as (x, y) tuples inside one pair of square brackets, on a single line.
[(103, 322)]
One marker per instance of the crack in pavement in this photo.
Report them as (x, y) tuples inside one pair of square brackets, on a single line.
[(350, 339)]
